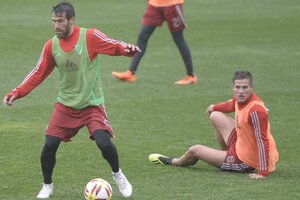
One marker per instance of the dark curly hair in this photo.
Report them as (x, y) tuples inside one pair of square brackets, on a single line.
[(64, 7)]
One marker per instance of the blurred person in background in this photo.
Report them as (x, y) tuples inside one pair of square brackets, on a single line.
[(158, 11)]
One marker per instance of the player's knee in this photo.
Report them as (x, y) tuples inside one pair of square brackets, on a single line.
[(144, 35), (143, 38), (214, 116), (178, 37), (102, 139), (104, 145), (51, 143), (194, 150)]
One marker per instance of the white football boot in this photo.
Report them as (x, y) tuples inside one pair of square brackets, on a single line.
[(46, 191), (124, 186)]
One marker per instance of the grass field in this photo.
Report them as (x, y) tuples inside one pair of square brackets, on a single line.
[(154, 115)]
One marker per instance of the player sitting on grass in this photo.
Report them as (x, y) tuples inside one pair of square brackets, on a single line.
[(246, 141)]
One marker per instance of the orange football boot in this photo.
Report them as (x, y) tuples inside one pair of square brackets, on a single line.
[(125, 76), (188, 79)]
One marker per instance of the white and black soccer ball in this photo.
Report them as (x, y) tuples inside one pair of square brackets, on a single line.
[(98, 189)]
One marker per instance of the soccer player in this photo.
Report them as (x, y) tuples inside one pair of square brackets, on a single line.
[(246, 141), (74, 51), (156, 13)]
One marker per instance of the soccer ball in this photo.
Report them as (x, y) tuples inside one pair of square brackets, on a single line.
[(97, 189)]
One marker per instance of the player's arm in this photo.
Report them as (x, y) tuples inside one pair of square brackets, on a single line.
[(258, 119), (225, 107), (43, 68), (99, 43)]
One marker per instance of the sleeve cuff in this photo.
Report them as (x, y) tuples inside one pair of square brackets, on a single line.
[(263, 173)]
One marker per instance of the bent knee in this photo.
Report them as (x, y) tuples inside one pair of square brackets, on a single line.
[(194, 150), (51, 142), (219, 117), (215, 115)]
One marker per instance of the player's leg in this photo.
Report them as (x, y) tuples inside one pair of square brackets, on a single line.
[(184, 51), (151, 19), (48, 157), (108, 149), (100, 130), (62, 126), (200, 152), (142, 42), (110, 153), (223, 126), (48, 160), (191, 157), (174, 18)]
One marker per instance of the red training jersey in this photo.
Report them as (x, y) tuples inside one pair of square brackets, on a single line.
[(97, 43)]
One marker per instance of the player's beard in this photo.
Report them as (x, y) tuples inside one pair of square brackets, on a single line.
[(62, 34)]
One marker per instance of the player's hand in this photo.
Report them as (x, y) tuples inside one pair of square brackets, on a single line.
[(131, 49), (209, 109), (9, 98), (256, 176)]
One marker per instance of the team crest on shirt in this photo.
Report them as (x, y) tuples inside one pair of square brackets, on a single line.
[(78, 48)]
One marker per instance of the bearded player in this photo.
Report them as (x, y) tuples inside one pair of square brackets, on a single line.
[(74, 51)]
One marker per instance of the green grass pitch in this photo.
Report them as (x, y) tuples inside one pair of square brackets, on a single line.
[(154, 115)]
